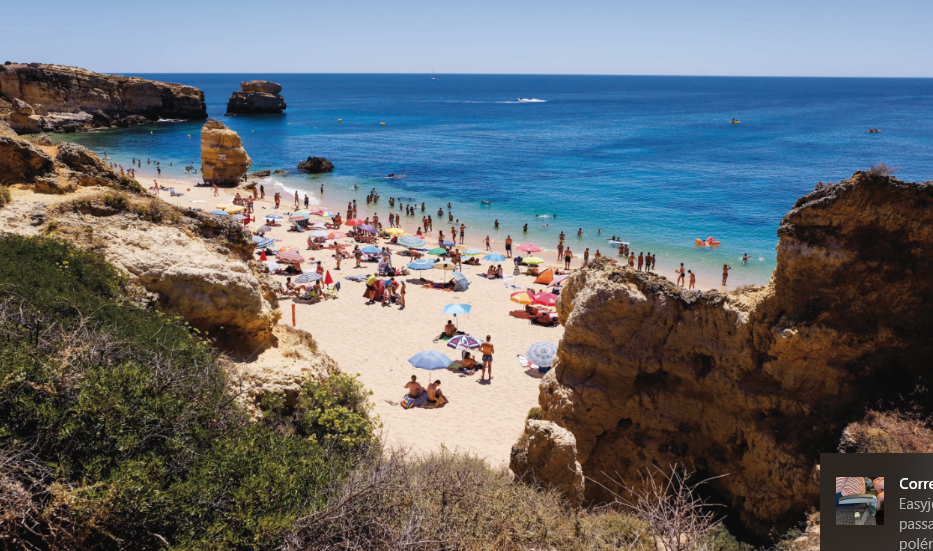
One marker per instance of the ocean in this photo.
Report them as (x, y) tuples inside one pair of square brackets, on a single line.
[(653, 160)]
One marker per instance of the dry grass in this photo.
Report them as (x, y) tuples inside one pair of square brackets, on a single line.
[(455, 501), (5, 196), (882, 170), (889, 432)]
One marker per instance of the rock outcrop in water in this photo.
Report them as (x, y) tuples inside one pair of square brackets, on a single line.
[(752, 385), (223, 159), (316, 165), (40, 97), (256, 97)]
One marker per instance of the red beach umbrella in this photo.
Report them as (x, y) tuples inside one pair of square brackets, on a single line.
[(327, 279), (354, 222), (529, 248), (546, 299)]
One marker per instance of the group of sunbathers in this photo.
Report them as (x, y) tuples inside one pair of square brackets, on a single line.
[(420, 395)]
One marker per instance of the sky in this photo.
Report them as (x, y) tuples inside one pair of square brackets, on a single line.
[(854, 38)]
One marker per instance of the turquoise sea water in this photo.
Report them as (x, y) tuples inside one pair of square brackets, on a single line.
[(651, 159)]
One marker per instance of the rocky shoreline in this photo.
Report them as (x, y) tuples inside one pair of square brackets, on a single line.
[(38, 97)]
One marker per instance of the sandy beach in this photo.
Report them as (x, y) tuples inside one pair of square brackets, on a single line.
[(376, 342)]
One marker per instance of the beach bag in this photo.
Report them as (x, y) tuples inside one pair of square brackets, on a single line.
[(407, 402)]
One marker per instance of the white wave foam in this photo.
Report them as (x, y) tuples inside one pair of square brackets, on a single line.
[(523, 100), (288, 193)]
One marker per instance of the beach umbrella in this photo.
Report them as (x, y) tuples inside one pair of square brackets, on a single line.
[(319, 233), (297, 217), (532, 260), (258, 239), (395, 231), (264, 243), (354, 222), (369, 228), (447, 243), (263, 229), (444, 265), (457, 309), (464, 342), (239, 217), (318, 225), (371, 250), (411, 241), (494, 258), (224, 206), (234, 209), (460, 281), (528, 248), (420, 265), (309, 277), (301, 212), (542, 354), (327, 279), (273, 217), (328, 214), (522, 297), (471, 252), (336, 235), (558, 280), (546, 299), (430, 360), (219, 212), (289, 254), (438, 251)]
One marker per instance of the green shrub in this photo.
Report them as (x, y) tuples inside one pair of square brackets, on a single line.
[(5, 196), (535, 414), (335, 411)]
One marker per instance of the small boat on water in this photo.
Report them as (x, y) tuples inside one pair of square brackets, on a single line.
[(735, 121), (874, 131), (485, 202)]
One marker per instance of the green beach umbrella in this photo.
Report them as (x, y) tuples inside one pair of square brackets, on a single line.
[(438, 251)]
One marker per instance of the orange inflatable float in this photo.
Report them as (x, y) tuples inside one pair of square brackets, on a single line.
[(709, 242)]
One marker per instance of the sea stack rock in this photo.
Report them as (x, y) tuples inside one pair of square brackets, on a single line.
[(316, 165), (256, 97), (223, 159)]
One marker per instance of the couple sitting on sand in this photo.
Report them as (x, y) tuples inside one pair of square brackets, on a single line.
[(419, 397), (494, 272)]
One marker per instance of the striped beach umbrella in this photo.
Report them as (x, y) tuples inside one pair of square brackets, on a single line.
[(542, 354), (289, 254), (302, 212), (411, 241), (297, 217), (336, 235), (316, 212), (464, 342), (522, 297)]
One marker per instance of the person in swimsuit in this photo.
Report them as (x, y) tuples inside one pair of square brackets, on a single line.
[(487, 349), (567, 256), (693, 279), (745, 257), (725, 273), (508, 246), (680, 274), (641, 261), (487, 244), (462, 231), (414, 387), (434, 392), (560, 251), (586, 256)]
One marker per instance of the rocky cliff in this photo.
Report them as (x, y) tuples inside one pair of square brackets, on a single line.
[(39, 97), (256, 97), (751, 385), (223, 159)]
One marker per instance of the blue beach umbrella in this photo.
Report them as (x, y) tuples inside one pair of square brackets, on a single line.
[(430, 360), (371, 250), (368, 228), (319, 234), (258, 238), (460, 281), (423, 264), (265, 243), (239, 217), (542, 353), (411, 241), (447, 243), (494, 258), (219, 212), (310, 277), (457, 309), (273, 216)]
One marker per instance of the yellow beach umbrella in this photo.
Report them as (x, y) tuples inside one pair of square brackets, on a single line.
[(522, 297), (233, 209), (532, 260), (395, 231), (224, 206)]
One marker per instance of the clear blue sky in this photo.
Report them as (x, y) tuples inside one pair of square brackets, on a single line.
[(883, 38)]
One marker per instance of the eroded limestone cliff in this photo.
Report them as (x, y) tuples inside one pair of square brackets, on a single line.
[(752, 385), (256, 97), (38, 97)]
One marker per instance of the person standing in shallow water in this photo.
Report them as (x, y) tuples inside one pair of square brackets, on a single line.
[(560, 251), (508, 247), (641, 260), (725, 273)]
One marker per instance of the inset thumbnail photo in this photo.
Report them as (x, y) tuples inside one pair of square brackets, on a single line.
[(859, 500)]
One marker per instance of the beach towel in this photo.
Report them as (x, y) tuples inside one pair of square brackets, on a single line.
[(358, 279), (510, 286), (432, 405)]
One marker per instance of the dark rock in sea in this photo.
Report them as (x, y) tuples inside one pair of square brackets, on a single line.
[(316, 165), (280, 171), (260, 174), (256, 97)]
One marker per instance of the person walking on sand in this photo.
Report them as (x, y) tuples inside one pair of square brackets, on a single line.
[(488, 248), (216, 191), (725, 273), (262, 192), (568, 255), (297, 202), (680, 274), (462, 231), (278, 200), (508, 247), (487, 349), (401, 296)]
